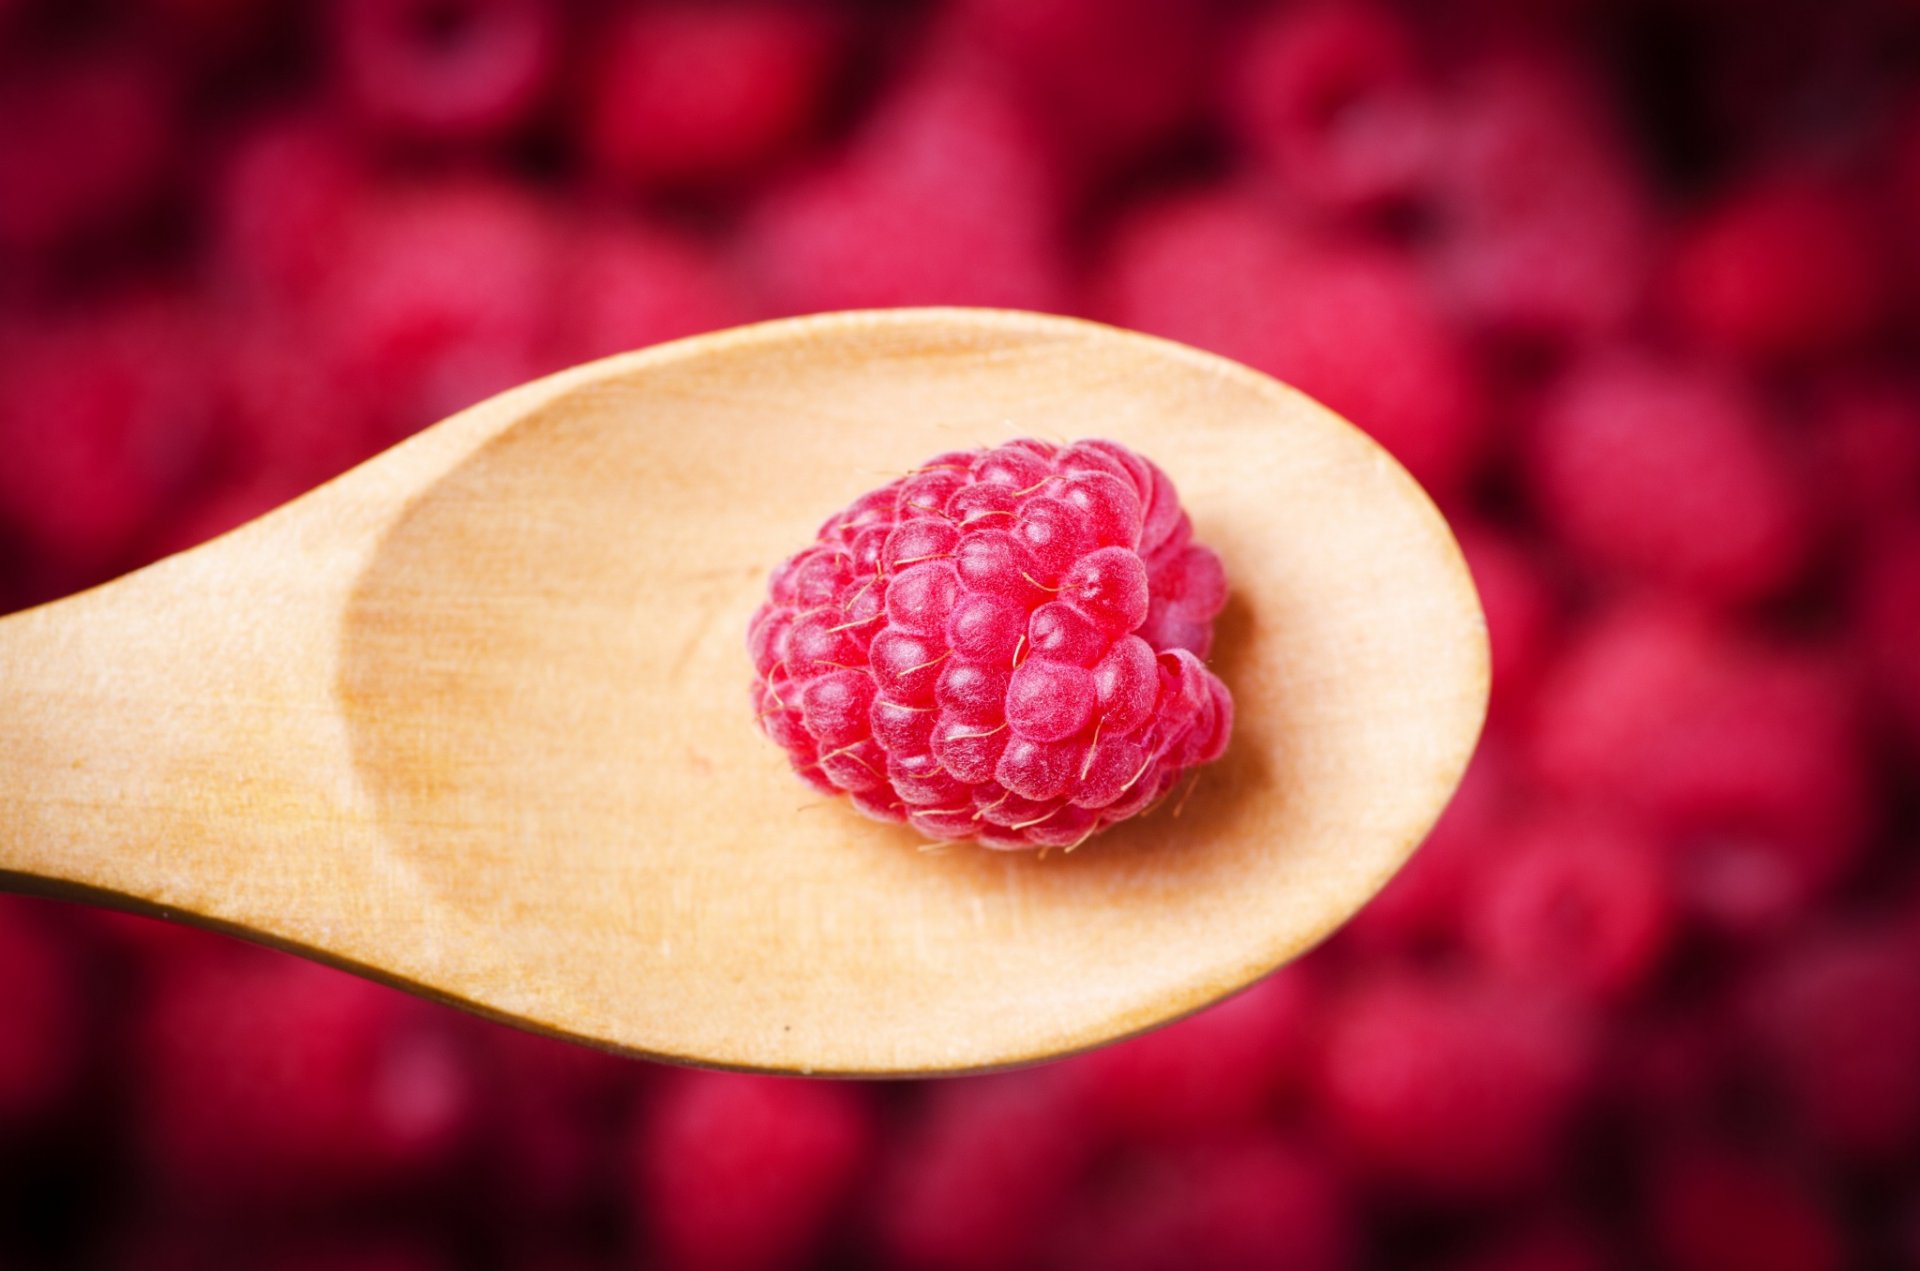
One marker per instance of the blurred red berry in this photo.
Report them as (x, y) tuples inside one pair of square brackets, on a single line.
[(1520, 603), (1551, 1246), (1220, 1068), (1249, 1202), (694, 92), (86, 144), (1543, 229), (461, 70), (742, 1173), (1347, 323), (1886, 615), (1331, 96), (974, 1180), (1668, 473), (1720, 1209), (1865, 451), (43, 1004), (1454, 1086), (947, 198), (1785, 266), (1419, 906), (1110, 77), (104, 416), (266, 1078), (1837, 1015), (1572, 901), (442, 295), (281, 201), (1745, 758), (627, 286)]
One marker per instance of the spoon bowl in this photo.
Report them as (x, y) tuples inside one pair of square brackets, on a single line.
[(473, 718)]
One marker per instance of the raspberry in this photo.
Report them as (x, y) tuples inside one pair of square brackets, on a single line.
[(1784, 267), (281, 202), (1865, 443), (1358, 330), (1458, 1087), (628, 286), (1744, 758), (271, 1078), (1419, 908), (948, 196), (977, 1174), (440, 296), (1837, 1018), (1543, 229), (741, 1172), (1111, 77), (1668, 473), (85, 142), (1221, 1068), (1573, 902), (1521, 606), (1552, 1246), (1041, 721), (103, 418), (1718, 1209), (444, 69), (699, 92), (40, 997), (1331, 97), (1886, 616), (1252, 1202)]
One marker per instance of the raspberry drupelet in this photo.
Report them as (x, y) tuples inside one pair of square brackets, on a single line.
[(1003, 645)]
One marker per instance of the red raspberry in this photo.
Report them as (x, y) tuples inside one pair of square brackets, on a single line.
[(948, 196), (1331, 96), (1573, 901), (1837, 1018), (273, 1078), (104, 416), (1865, 441), (1543, 229), (552, 1105), (440, 296), (41, 1000), (1248, 1203), (1552, 1246), (1722, 1209), (1521, 606), (631, 285), (1455, 1086), (1219, 1069), (281, 203), (977, 1176), (1110, 76), (85, 143), (1886, 615), (454, 69), (288, 423), (1419, 908), (1003, 645), (1746, 759), (1668, 473), (743, 1173), (1358, 330), (705, 91), (1786, 266)]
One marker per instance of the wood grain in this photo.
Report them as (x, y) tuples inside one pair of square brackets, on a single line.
[(473, 718)]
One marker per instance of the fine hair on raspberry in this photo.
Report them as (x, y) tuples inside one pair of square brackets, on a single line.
[(1005, 645)]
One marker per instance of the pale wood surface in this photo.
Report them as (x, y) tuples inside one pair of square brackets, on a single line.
[(474, 718)]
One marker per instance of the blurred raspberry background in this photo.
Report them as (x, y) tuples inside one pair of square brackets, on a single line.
[(1633, 285)]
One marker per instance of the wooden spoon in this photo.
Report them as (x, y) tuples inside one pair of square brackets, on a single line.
[(473, 718)]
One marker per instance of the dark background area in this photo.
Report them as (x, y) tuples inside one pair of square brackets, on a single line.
[(1633, 287)]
